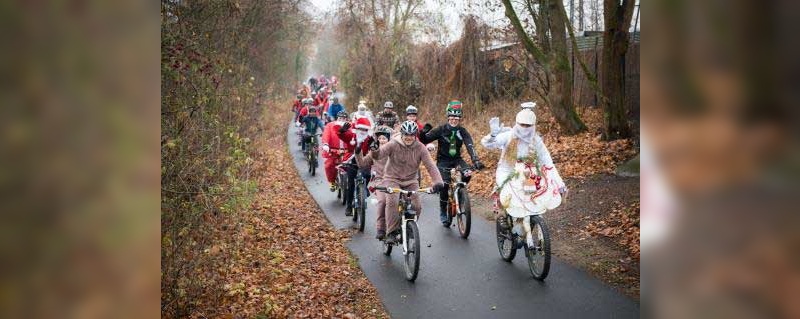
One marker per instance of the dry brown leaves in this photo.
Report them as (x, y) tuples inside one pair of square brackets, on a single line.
[(622, 225), (283, 259)]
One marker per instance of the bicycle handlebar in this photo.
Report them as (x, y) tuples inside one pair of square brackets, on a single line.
[(390, 190)]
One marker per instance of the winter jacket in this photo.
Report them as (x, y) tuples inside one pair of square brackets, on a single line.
[(403, 161), (450, 141), (312, 124), (335, 109), (330, 137)]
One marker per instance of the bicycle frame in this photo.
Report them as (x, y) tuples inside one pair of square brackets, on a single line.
[(455, 184), (405, 209)]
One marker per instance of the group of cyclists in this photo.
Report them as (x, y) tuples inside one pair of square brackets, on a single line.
[(389, 152)]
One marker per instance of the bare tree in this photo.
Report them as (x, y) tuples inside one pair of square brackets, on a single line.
[(550, 51)]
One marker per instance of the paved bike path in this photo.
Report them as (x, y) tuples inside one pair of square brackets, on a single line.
[(464, 278)]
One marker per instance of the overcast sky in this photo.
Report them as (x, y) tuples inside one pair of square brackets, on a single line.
[(452, 11)]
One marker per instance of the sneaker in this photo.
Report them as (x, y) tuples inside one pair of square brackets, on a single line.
[(348, 211), (380, 235), (333, 187)]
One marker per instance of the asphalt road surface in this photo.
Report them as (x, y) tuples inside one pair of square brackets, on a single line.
[(464, 278)]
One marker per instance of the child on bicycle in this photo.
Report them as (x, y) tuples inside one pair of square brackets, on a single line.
[(382, 135), (310, 124)]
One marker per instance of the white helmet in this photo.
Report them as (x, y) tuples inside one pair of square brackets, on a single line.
[(388, 105), (411, 110), (526, 116), (409, 128), (362, 107)]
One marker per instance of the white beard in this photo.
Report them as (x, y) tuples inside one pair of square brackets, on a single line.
[(360, 137)]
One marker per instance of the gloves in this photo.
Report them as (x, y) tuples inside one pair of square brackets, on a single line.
[(297, 124), (494, 126), (431, 147), (326, 148), (427, 128), (374, 145), (344, 127), (478, 165), (438, 187)]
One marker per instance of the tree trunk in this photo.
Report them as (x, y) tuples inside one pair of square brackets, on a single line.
[(617, 19), (561, 91), (554, 60)]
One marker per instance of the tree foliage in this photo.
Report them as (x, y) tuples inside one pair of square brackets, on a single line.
[(220, 60)]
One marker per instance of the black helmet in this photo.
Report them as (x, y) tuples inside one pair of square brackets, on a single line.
[(341, 114), (383, 130)]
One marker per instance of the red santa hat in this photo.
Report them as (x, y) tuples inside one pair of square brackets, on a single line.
[(363, 123)]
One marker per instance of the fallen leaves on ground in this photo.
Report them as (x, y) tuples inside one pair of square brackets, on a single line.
[(282, 259), (621, 224)]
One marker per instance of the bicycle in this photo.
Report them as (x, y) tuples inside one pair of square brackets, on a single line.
[(341, 177), (311, 151), (409, 231), (359, 206), (458, 203), (509, 240)]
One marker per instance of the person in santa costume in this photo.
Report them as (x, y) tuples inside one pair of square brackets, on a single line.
[(358, 140), (334, 149)]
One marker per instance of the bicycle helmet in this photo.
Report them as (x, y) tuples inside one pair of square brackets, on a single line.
[(411, 109), (388, 105), (335, 100), (454, 108), (383, 130), (341, 114), (409, 128), (307, 101), (312, 111)]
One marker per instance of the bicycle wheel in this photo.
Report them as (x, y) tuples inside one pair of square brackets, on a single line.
[(412, 255), (464, 213), (539, 255), (361, 211), (353, 207), (339, 185), (505, 241)]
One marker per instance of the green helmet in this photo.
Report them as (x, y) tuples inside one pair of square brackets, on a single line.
[(454, 108)]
